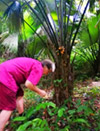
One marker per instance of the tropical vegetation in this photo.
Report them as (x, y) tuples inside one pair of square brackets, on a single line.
[(66, 31)]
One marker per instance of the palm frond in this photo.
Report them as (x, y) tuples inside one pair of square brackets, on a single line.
[(75, 19), (79, 25), (22, 19), (58, 33), (3, 4), (69, 13), (43, 18), (45, 14), (12, 13)]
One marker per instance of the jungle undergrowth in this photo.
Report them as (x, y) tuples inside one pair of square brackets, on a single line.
[(83, 112)]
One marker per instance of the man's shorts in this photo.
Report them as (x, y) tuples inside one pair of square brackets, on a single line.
[(8, 98)]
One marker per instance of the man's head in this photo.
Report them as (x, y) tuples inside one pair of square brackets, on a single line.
[(48, 66)]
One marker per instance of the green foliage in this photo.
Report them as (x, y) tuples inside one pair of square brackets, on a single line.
[(20, 118), (82, 69), (25, 28), (77, 117), (88, 45), (29, 21), (24, 126), (54, 16), (97, 77), (57, 82), (95, 92), (35, 48), (91, 36), (14, 15), (36, 124), (61, 112)]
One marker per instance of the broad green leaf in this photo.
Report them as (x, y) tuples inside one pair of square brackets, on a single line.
[(28, 31), (24, 126), (80, 120), (19, 118), (29, 21), (93, 32), (51, 104), (61, 112), (30, 112), (44, 124), (54, 16), (37, 122), (71, 112), (41, 106)]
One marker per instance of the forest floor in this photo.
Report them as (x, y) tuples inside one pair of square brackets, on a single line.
[(83, 90), (87, 90)]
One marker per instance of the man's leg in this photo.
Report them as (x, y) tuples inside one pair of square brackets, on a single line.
[(20, 104), (4, 117)]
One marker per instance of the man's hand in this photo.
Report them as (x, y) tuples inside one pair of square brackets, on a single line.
[(34, 88), (42, 93)]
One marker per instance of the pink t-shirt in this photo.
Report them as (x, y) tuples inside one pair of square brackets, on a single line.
[(16, 71)]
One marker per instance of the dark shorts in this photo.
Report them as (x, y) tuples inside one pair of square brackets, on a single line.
[(8, 98)]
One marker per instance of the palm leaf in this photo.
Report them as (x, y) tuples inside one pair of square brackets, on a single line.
[(58, 34), (12, 12), (44, 20), (3, 4), (79, 25), (21, 17)]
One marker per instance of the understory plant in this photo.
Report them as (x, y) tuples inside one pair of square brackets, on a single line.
[(46, 116)]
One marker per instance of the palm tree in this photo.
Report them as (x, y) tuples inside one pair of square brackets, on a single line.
[(61, 37)]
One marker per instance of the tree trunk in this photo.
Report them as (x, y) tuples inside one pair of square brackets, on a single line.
[(63, 83)]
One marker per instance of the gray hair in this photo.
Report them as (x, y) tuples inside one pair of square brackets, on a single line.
[(49, 64)]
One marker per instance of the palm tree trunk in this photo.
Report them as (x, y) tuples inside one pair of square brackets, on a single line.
[(63, 84)]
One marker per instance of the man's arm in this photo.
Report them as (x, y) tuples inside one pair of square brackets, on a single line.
[(34, 88)]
